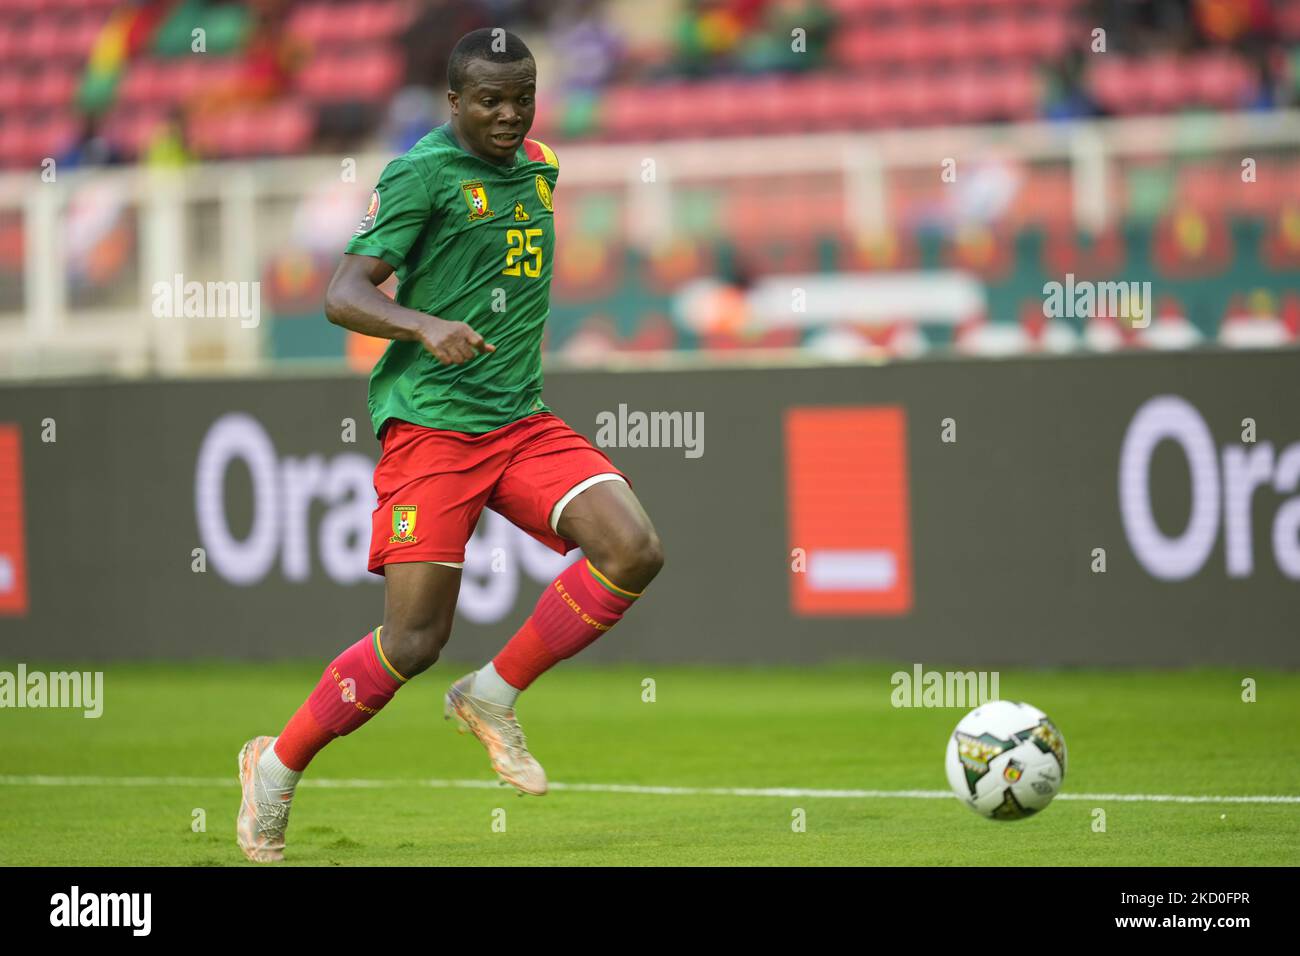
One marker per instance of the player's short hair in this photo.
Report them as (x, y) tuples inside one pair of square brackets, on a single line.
[(479, 45)]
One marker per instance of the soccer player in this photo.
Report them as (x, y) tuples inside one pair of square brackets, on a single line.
[(465, 218)]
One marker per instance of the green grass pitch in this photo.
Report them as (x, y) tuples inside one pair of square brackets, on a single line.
[(366, 799)]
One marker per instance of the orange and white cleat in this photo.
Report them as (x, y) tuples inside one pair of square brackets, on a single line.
[(497, 729), (263, 811)]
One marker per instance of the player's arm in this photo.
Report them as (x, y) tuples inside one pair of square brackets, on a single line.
[(399, 212), (354, 301)]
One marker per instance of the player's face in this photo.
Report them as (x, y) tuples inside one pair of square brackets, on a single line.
[(494, 112)]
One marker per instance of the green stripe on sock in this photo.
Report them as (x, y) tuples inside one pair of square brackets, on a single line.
[(617, 592), (379, 656)]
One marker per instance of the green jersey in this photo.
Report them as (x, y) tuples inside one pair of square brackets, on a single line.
[(472, 242)]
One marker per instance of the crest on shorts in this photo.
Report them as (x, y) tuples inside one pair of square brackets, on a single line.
[(477, 199), (403, 525), (544, 192), (372, 213)]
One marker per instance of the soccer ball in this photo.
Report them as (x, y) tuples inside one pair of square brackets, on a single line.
[(1005, 760)]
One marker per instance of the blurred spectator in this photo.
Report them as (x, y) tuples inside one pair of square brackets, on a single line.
[(428, 39), (128, 32), (1233, 21), (1250, 27), (270, 60), (1144, 26), (1065, 92), (772, 48), (753, 36), (91, 147), (587, 50), (165, 147), (709, 32), (413, 112)]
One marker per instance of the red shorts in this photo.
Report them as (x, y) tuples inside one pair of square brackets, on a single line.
[(433, 484)]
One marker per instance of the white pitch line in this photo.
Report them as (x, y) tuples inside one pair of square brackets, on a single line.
[(364, 784)]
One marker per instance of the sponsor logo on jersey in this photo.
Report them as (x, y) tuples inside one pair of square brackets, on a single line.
[(372, 213), (403, 525), (544, 192), (476, 198), (520, 214)]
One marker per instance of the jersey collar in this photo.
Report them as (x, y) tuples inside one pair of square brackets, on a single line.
[(447, 131)]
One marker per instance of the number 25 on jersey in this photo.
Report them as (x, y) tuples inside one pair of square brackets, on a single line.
[(520, 249)]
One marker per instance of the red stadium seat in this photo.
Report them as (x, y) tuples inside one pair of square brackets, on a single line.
[(836, 102), (996, 37), (281, 129), (849, 10), (894, 7), (13, 88), (365, 75), (857, 47), (777, 105), (1048, 39), (1112, 83), (80, 38), (679, 116), (972, 96), (11, 44), (347, 24), (1163, 80), (911, 44), (960, 42), (131, 130), (621, 113), (51, 88), (924, 100), (9, 135), (45, 138), (63, 35), (157, 82), (722, 106), (1017, 92), (1222, 80)]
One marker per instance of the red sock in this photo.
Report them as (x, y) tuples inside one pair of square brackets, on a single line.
[(354, 687), (575, 609)]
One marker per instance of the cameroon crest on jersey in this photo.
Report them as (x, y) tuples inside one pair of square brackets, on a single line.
[(403, 525), (477, 199)]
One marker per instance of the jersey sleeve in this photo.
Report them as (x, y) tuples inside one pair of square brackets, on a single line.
[(539, 152), (398, 212)]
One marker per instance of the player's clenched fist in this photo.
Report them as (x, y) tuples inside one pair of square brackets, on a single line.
[(452, 343)]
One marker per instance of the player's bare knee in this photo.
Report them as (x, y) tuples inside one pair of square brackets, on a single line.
[(652, 555), (633, 560), (413, 649)]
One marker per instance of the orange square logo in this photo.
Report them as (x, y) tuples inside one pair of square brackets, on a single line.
[(846, 487), (13, 549)]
